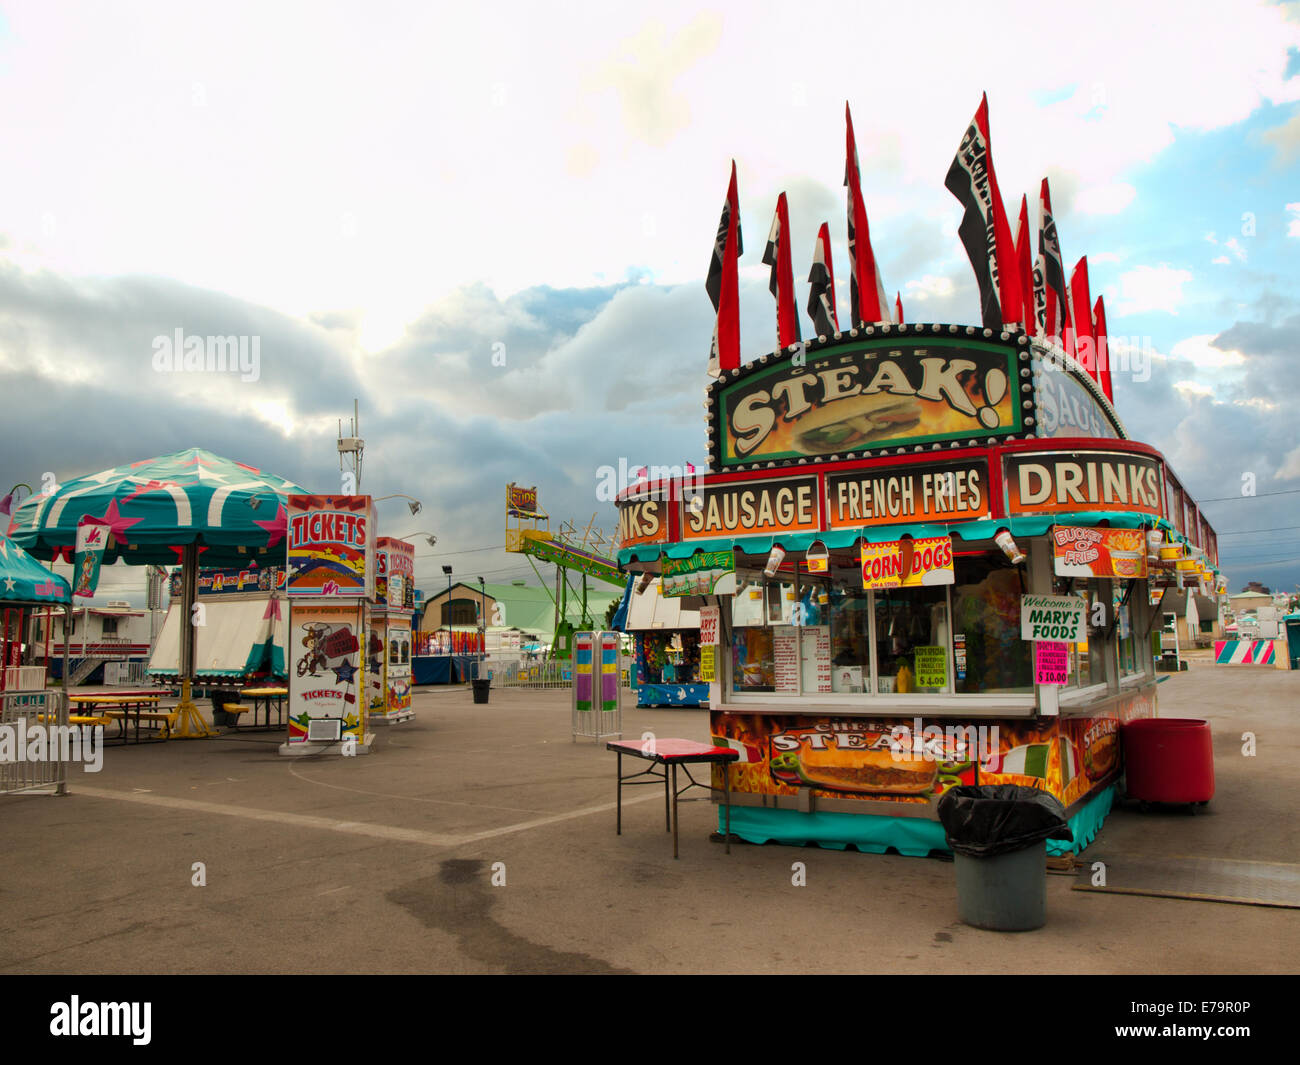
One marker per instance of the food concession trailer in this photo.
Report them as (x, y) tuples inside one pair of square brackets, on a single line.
[(925, 555)]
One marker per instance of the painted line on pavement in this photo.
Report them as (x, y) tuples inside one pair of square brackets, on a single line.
[(355, 828)]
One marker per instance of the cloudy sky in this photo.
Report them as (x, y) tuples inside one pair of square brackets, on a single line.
[(491, 226)]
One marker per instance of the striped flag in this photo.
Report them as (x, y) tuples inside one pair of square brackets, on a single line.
[(1103, 348), (1029, 761), (777, 256), (984, 230), (821, 295), (1049, 248), (866, 290), (898, 306), (722, 284)]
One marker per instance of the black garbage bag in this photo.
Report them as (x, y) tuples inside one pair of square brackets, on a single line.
[(984, 820)]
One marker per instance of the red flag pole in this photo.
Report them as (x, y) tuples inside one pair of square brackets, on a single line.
[(723, 284), (1084, 341), (1103, 348), (984, 230), (1025, 266), (868, 300), (777, 256), (821, 291)]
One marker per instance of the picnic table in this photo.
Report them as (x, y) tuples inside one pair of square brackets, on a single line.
[(668, 754), (123, 707), (264, 697)]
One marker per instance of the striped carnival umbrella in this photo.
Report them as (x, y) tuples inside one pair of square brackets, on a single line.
[(176, 508)]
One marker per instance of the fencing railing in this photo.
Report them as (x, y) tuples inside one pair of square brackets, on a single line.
[(550, 673), (543, 674), (24, 678), (26, 765), (124, 673)]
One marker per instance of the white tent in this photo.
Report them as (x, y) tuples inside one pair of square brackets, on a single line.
[(231, 641)]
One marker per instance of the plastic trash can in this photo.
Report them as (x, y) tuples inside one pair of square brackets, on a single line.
[(998, 835), (1005, 893), (481, 689)]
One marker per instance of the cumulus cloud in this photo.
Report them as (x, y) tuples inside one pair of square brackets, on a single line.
[(1152, 288)]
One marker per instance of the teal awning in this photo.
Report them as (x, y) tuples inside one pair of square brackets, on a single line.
[(969, 531)]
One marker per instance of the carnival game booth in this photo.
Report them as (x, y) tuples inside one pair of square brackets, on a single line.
[(388, 652), (924, 556), (666, 670), (244, 630)]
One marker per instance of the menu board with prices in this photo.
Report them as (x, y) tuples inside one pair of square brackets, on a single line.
[(816, 659), (706, 663), (785, 652), (1051, 662), (931, 667)]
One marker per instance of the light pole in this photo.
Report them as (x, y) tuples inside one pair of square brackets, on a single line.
[(446, 608), (413, 504)]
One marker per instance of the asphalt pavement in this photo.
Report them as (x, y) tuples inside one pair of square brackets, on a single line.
[(480, 839)]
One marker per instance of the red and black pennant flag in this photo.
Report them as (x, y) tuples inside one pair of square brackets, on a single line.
[(1103, 348), (777, 256), (722, 285), (866, 290), (1049, 249), (821, 294), (984, 230)]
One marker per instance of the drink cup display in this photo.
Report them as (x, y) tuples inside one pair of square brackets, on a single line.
[(1005, 541)]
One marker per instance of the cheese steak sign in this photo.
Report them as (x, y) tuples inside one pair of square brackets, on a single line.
[(751, 508), (950, 492), (1050, 483), (855, 397)]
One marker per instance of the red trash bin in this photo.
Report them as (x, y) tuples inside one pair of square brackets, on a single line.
[(1169, 759)]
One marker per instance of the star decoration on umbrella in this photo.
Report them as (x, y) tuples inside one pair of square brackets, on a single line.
[(150, 486), (344, 672), (9, 584), (117, 522), (275, 527)]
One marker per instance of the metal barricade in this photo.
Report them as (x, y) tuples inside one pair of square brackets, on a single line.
[(34, 741)]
